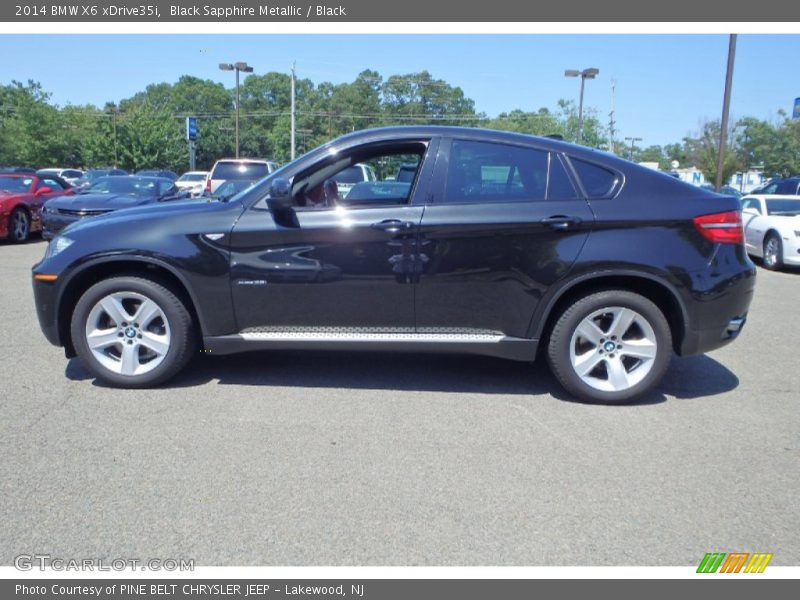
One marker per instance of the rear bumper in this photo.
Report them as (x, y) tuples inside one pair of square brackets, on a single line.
[(718, 309)]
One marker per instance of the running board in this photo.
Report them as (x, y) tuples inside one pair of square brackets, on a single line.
[(501, 346)]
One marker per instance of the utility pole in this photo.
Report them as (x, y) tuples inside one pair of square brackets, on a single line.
[(611, 122), (632, 140), (726, 105), (294, 115)]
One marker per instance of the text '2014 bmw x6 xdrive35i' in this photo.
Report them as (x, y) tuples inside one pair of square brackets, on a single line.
[(500, 244)]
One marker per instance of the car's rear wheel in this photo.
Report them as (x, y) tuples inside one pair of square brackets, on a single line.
[(19, 225), (132, 332), (773, 252), (610, 347)]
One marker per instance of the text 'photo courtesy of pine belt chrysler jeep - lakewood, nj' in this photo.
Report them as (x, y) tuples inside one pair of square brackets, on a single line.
[(464, 241)]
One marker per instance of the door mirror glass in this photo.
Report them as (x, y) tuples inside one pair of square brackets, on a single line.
[(280, 194)]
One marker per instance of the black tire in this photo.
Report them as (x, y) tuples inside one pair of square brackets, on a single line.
[(182, 337), (19, 225), (561, 338), (773, 262)]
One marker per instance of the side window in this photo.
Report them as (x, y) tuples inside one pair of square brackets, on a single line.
[(597, 181), (366, 177), (785, 187), (51, 183), (754, 204), (490, 172), (559, 187)]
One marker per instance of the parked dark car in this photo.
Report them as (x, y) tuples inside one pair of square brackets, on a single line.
[(782, 187), (105, 195), (25, 170), (171, 175), (92, 175), (504, 245)]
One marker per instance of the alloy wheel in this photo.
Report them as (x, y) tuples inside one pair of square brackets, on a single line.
[(613, 349), (128, 333)]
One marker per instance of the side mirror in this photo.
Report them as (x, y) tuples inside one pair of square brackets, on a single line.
[(280, 194), (44, 190)]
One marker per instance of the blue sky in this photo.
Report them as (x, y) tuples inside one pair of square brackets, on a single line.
[(666, 84)]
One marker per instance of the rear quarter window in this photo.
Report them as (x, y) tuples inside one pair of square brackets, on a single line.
[(598, 181)]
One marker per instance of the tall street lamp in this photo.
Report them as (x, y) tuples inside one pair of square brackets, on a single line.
[(584, 75), (244, 68)]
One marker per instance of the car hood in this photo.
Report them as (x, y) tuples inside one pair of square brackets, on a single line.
[(99, 201), (143, 213)]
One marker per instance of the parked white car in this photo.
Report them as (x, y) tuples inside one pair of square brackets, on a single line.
[(238, 169), (357, 173), (192, 181), (772, 229), (71, 176)]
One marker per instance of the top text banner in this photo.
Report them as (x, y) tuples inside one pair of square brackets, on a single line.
[(443, 11)]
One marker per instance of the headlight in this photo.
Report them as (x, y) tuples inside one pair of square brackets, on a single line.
[(57, 245)]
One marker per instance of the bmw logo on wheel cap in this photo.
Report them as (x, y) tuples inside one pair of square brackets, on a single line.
[(130, 332)]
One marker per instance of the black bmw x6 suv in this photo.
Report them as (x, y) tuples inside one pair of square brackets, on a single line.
[(499, 244)]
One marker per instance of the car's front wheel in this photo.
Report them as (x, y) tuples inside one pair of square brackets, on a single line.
[(609, 347), (132, 332)]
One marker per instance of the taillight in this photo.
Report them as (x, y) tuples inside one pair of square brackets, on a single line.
[(721, 228), (208, 185)]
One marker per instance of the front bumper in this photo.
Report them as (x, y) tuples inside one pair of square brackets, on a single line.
[(45, 295), (53, 223)]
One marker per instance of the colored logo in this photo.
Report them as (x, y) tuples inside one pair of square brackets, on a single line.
[(734, 562)]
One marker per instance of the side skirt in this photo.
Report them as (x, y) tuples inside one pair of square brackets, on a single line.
[(501, 346)]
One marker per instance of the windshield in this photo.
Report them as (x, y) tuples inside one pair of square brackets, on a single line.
[(783, 207), (15, 184), (192, 177), (134, 186)]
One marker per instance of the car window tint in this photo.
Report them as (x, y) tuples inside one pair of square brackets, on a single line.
[(559, 187), (489, 172), (240, 171), (597, 181)]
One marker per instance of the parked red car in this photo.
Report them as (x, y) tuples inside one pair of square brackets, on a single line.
[(22, 196)]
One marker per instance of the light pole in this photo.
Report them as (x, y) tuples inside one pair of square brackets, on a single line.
[(244, 68), (584, 75), (632, 140), (726, 105)]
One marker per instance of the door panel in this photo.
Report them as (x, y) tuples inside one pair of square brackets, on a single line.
[(487, 265), (333, 270)]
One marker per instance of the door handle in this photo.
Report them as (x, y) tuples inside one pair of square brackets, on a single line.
[(560, 222), (393, 225)]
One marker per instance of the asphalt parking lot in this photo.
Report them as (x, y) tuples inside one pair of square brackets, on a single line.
[(346, 459)]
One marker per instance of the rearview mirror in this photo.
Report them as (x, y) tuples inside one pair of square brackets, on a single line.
[(280, 194)]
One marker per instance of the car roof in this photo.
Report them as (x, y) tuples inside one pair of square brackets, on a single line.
[(771, 196), (19, 175), (409, 132)]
